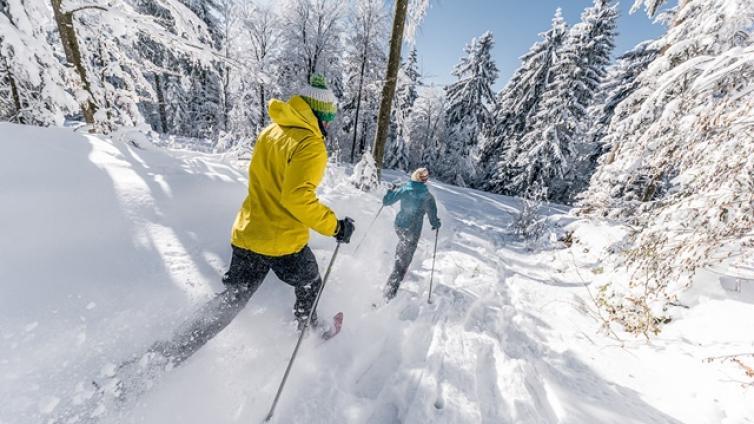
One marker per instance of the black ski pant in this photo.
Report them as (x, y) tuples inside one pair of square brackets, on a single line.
[(246, 273), (408, 239)]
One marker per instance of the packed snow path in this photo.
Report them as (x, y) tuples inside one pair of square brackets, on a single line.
[(109, 245)]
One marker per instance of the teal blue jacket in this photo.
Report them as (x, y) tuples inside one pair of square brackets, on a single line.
[(416, 200)]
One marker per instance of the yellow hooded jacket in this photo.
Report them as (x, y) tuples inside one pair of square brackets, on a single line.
[(287, 166)]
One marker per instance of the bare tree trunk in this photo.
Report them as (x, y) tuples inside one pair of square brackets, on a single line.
[(650, 190), (161, 103), (14, 92), (262, 107), (358, 107), (363, 142), (226, 90), (388, 90), (67, 32)]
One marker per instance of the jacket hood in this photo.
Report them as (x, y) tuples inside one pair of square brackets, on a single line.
[(294, 113)]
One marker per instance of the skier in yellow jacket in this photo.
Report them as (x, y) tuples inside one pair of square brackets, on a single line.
[(271, 231)]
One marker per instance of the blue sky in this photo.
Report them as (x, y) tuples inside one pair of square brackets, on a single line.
[(450, 24)]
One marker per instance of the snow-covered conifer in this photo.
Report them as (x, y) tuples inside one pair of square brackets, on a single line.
[(619, 83), (406, 93), (517, 103), (470, 104), (426, 126), (676, 169), (553, 147)]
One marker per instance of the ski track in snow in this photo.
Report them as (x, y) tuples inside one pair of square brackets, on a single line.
[(495, 346)]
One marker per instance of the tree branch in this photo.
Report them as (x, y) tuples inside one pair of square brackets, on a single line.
[(79, 9)]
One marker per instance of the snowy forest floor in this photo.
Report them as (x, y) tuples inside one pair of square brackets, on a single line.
[(107, 246)]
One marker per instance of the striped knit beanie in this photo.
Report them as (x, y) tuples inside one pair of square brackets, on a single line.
[(320, 98)]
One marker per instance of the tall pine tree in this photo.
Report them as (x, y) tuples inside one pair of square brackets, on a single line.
[(619, 83), (426, 126), (553, 147), (470, 104), (406, 93), (517, 103)]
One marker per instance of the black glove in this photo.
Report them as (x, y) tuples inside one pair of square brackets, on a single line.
[(345, 230), (436, 226)]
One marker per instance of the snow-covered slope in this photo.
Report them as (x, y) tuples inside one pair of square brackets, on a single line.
[(108, 245)]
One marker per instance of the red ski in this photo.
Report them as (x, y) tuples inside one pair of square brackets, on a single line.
[(334, 329)]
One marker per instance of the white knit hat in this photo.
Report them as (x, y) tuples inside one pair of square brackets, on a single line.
[(421, 175)]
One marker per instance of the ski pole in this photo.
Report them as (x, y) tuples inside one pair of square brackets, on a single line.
[(301, 336), (368, 229), (432, 273)]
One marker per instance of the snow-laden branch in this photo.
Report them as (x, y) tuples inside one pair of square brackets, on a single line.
[(186, 39), (417, 9), (70, 7), (735, 58), (79, 9)]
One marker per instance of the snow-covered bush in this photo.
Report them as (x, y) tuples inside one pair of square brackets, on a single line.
[(364, 175), (529, 224)]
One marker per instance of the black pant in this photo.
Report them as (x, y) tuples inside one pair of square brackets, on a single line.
[(248, 270), (408, 239), (246, 273)]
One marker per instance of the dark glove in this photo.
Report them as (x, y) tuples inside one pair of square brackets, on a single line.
[(436, 226), (345, 230), (395, 186)]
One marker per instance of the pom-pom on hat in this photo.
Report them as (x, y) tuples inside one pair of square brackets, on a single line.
[(320, 98)]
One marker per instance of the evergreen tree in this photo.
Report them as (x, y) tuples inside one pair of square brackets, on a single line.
[(192, 81), (518, 101), (407, 90), (651, 6), (470, 104), (619, 83), (210, 12), (650, 115), (679, 169), (426, 127), (553, 147), (205, 103), (406, 93)]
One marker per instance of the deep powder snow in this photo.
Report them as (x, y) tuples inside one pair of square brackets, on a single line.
[(108, 246)]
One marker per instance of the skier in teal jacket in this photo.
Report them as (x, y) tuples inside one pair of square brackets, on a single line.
[(416, 200)]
